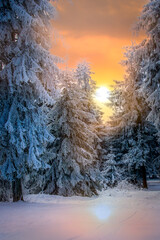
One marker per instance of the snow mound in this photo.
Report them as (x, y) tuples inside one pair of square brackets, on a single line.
[(54, 199)]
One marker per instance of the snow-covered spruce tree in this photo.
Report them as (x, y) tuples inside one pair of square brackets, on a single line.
[(148, 56), (146, 64), (114, 145), (109, 167), (129, 121), (129, 106), (27, 71), (130, 154), (74, 166), (83, 75), (127, 111), (141, 157)]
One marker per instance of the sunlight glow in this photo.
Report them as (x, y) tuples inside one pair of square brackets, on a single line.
[(102, 94), (102, 212)]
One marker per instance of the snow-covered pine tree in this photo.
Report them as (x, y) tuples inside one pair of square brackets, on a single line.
[(74, 166), (148, 56), (109, 167), (130, 112), (114, 146), (129, 106), (140, 158), (130, 154), (27, 71), (83, 75), (127, 112)]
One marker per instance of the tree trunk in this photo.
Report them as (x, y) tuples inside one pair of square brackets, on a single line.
[(144, 177), (17, 190)]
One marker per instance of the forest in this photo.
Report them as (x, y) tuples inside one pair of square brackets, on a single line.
[(52, 136)]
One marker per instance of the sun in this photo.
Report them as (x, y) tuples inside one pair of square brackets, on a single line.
[(102, 94)]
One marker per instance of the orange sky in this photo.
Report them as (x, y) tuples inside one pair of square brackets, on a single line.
[(96, 31)]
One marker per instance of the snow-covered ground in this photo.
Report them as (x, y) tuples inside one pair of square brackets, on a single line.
[(117, 214)]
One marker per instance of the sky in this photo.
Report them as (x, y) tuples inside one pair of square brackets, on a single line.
[(96, 31)]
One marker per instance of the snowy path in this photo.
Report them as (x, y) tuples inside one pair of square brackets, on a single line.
[(114, 215)]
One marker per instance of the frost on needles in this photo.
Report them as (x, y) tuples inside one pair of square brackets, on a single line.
[(75, 165), (28, 71)]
